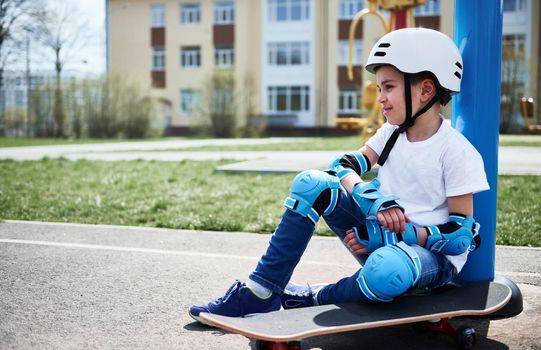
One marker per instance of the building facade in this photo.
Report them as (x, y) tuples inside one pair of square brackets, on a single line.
[(288, 57)]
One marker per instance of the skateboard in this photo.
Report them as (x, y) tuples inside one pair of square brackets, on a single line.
[(285, 329)]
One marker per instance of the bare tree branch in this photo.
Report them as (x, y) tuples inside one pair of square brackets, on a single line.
[(64, 32)]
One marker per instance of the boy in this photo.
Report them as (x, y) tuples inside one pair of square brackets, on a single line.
[(412, 227)]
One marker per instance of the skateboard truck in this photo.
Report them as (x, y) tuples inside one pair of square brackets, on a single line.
[(269, 345), (465, 336)]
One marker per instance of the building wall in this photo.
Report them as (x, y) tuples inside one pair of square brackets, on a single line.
[(275, 32), (131, 37), (248, 55)]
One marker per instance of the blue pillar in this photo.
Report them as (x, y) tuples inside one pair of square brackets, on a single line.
[(476, 113)]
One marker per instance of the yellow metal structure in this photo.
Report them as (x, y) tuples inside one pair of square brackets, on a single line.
[(527, 109), (370, 124)]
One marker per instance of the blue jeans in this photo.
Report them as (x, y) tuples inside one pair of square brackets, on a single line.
[(291, 238)]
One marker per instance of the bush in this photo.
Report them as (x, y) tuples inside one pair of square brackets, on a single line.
[(107, 107), (218, 109)]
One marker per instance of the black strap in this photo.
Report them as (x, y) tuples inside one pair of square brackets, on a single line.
[(410, 120)]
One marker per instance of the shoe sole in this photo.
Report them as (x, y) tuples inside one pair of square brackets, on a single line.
[(198, 319)]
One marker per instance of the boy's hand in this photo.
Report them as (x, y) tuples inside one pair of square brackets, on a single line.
[(393, 219), (350, 240)]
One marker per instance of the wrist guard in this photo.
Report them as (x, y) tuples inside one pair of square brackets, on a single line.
[(371, 202), (374, 235), (410, 236), (454, 237)]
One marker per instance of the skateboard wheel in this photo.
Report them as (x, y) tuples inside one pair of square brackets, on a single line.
[(466, 337)]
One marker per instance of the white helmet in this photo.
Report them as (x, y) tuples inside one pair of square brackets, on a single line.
[(414, 50)]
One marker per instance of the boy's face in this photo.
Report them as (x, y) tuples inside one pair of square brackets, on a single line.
[(390, 83)]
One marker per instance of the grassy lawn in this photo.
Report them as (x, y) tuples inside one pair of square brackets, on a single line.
[(189, 195)]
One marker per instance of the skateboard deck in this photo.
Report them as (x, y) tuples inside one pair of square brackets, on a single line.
[(473, 299)]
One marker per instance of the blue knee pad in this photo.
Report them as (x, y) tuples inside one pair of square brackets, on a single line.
[(389, 272), (306, 188)]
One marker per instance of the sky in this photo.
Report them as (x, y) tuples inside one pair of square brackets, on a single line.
[(94, 53), (91, 59)]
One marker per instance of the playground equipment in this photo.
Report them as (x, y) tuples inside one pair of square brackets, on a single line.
[(401, 17), (527, 110)]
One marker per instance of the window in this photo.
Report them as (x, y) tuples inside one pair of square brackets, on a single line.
[(224, 12), (189, 101), (158, 58), (190, 13), (430, 8), (289, 98), (348, 8), (343, 52), (158, 15), (514, 5), (224, 57), (288, 10), (190, 57), (292, 53), (348, 101), (19, 98)]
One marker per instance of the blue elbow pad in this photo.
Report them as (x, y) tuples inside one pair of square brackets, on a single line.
[(350, 163), (454, 237)]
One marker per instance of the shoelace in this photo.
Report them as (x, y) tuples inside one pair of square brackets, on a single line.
[(235, 288)]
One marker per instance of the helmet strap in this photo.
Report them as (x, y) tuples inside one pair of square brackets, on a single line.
[(410, 120)]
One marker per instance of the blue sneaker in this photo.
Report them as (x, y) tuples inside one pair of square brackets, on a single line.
[(238, 301), (297, 295)]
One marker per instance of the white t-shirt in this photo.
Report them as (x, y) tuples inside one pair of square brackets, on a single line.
[(424, 173)]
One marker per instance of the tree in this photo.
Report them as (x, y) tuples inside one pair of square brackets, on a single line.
[(13, 13), (64, 31), (219, 104)]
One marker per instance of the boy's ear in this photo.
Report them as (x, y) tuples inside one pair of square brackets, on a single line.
[(428, 89)]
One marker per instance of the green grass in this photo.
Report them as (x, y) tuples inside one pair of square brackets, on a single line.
[(519, 143), (520, 140), (190, 195), (519, 210), (340, 143), (177, 195)]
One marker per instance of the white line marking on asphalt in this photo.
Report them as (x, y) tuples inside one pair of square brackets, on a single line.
[(203, 254), (519, 274), (151, 251)]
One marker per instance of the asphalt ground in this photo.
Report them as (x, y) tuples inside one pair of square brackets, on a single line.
[(65, 286), (68, 286)]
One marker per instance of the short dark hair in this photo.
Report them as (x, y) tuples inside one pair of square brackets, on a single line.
[(416, 78)]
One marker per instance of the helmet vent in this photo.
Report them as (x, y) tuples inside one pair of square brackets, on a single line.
[(458, 65), (384, 45), (380, 53), (458, 75)]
